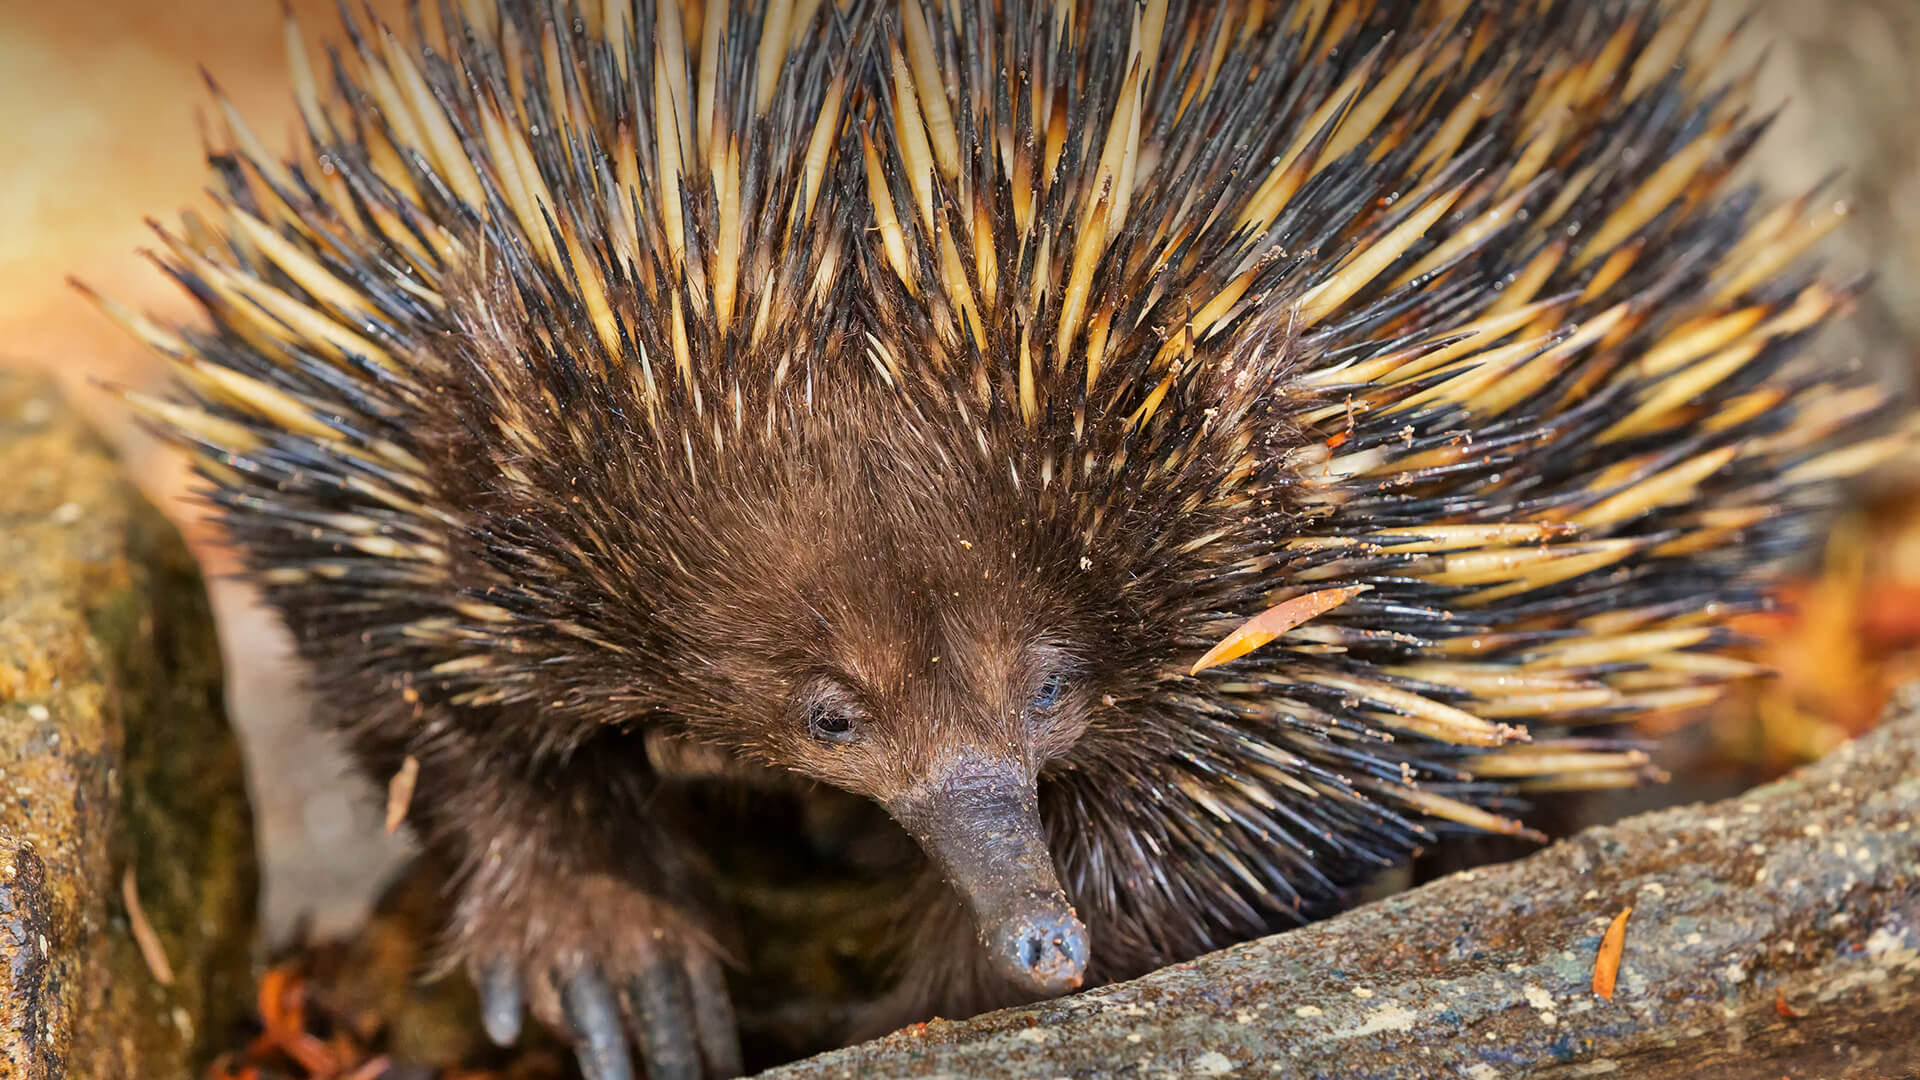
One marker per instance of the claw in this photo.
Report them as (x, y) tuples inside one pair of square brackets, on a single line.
[(660, 999), (500, 1003), (602, 1046), (713, 1016)]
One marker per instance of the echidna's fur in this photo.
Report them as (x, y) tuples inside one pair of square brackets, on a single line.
[(577, 348)]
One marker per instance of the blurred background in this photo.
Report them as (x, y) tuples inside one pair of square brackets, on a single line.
[(103, 129)]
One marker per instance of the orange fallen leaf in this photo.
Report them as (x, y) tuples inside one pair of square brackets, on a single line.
[(1606, 967), (1273, 622), (372, 1070), (1780, 1005), (1892, 614), (227, 1070), (281, 1003)]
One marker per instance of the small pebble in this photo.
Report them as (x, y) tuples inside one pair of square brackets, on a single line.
[(1212, 1063)]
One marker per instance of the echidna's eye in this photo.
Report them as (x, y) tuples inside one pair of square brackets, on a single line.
[(1049, 693), (830, 723)]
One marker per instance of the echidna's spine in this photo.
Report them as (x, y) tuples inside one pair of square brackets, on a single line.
[(1433, 337)]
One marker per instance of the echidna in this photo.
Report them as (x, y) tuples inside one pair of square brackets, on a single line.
[(1176, 457)]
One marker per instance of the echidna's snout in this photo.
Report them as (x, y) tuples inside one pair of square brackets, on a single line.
[(980, 823), (1045, 950)]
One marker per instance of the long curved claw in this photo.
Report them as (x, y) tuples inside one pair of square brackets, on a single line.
[(665, 1019), (713, 1016), (501, 1001), (595, 1019), (648, 998)]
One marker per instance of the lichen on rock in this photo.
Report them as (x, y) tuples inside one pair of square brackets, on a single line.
[(123, 801)]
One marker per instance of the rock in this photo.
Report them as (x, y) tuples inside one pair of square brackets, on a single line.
[(1777, 933), (123, 805)]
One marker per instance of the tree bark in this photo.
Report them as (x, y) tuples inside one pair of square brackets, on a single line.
[(127, 872), (1775, 934)]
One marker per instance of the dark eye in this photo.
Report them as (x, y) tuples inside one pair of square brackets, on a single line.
[(1049, 693), (832, 723)]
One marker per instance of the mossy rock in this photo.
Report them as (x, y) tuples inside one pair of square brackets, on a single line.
[(119, 775)]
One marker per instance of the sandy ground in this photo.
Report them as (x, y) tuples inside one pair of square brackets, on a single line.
[(101, 100)]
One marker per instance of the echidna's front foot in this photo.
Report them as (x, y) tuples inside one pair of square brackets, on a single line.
[(651, 986)]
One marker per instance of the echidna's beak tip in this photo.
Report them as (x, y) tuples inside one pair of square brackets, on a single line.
[(1045, 949)]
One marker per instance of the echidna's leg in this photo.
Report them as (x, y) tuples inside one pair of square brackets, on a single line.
[(575, 898), (603, 949)]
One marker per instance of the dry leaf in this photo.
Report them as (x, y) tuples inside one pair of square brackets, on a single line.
[(400, 791), (1606, 967), (1273, 622), (143, 935)]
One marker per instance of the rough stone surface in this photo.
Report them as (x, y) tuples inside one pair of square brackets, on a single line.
[(115, 759), (1775, 934)]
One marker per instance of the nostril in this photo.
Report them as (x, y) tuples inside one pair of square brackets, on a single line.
[(1046, 951), (1073, 945)]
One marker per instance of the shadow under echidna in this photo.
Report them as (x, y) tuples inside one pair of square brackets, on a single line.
[(1175, 459)]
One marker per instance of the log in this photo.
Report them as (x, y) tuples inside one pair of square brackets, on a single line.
[(1774, 934), (127, 871)]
